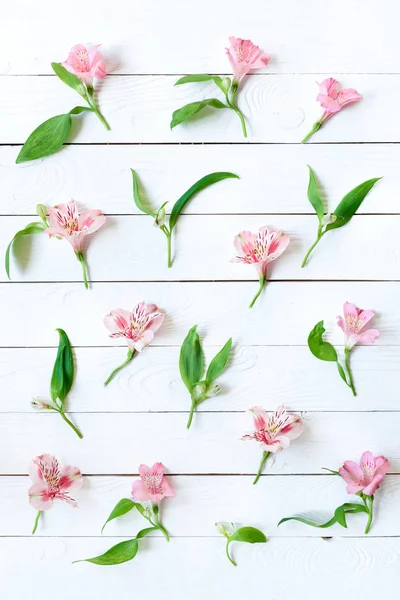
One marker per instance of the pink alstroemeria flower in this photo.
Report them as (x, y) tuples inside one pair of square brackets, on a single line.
[(332, 99), (365, 477), (274, 432), (153, 485), (51, 482), (85, 63), (244, 56), (65, 222), (353, 325), (137, 328), (260, 249)]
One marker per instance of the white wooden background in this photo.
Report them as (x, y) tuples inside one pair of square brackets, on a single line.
[(141, 416)]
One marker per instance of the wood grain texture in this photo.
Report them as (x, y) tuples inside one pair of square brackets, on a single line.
[(273, 179), (153, 37), (201, 501), (213, 445), (358, 564), (256, 375), (279, 109), (275, 320)]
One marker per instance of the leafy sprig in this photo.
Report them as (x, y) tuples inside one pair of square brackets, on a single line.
[(249, 535)]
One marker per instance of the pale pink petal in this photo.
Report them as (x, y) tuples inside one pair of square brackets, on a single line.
[(279, 443), (351, 472), (70, 479), (294, 427), (330, 105), (371, 488), (52, 232), (144, 340), (244, 243), (364, 317), (139, 491), (97, 63), (118, 320), (278, 243), (328, 87), (382, 465), (260, 417), (39, 497), (167, 490), (350, 311), (369, 336), (91, 220), (341, 322), (367, 463), (348, 96)]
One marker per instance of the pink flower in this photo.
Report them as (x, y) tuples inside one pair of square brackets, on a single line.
[(50, 482), (332, 99), (260, 248), (153, 485), (244, 56), (274, 433), (85, 63), (354, 323), (66, 222), (365, 477), (137, 327)]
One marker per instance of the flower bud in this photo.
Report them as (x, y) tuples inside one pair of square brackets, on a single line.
[(41, 210), (40, 405), (226, 83), (226, 529), (198, 390), (213, 390), (160, 217), (328, 219)]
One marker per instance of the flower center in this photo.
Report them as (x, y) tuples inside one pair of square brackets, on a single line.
[(368, 471), (153, 483), (83, 61)]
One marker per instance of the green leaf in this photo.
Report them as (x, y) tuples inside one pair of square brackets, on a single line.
[(338, 517), (331, 471), (321, 349), (191, 359), (46, 139), (69, 78), (309, 522), (143, 532), (251, 535), (63, 371), (185, 112), (200, 78), (314, 196), (341, 372), (121, 508), (116, 555), (80, 109), (204, 182), (136, 196), (218, 363), (351, 203), (28, 230)]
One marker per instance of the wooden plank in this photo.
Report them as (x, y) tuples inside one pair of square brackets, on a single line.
[(273, 179), (117, 443), (199, 502), (165, 40), (267, 375), (358, 565), (364, 250), (284, 315), (279, 108)]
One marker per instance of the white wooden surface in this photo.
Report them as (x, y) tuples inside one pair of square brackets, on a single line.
[(141, 416)]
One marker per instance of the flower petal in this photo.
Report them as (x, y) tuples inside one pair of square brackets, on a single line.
[(370, 489), (382, 465), (351, 472), (39, 497), (369, 336), (139, 491), (260, 417), (70, 478), (118, 320), (91, 220)]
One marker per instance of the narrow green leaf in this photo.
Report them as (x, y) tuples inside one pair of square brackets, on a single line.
[(314, 195), (351, 203), (46, 139), (331, 471), (63, 371), (80, 109), (200, 78), (121, 508), (309, 522), (185, 112), (321, 349), (30, 229), (68, 78), (116, 555), (143, 532), (341, 372), (204, 182), (251, 535), (218, 363), (191, 359), (136, 196), (340, 516)]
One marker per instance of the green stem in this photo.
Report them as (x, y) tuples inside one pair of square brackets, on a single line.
[(192, 409), (91, 101), (370, 515), (39, 514), (131, 354), (314, 129), (158, 524), (169, 254), (64, 416), (232, 104), (320, 234), (260, 289), (84, 268), (262, 464), (227, 553), (347, 363)]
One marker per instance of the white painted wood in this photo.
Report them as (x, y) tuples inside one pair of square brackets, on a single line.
[(265, 375), (199, 502), (155, 37), (197, 567), (115, 443), (366, 249), (274, 179), (279, 108), (284, 315)]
